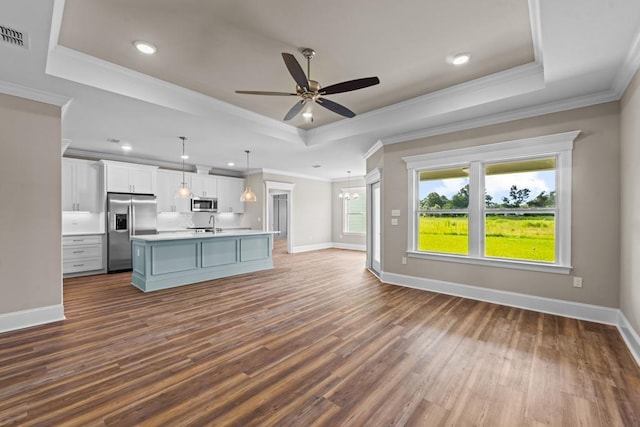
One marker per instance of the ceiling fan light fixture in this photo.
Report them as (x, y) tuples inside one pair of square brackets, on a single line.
[(459, 59), (145, 47)]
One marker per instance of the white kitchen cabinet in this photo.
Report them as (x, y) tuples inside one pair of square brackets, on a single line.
[(81, 187), (130, 178), (229, 191), (82, 254), (203, 185), (167, 184)]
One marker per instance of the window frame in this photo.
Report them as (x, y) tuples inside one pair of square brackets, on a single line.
[(475, 158), (361, 194)]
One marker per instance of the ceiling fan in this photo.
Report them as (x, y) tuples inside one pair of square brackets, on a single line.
[(311, 91)]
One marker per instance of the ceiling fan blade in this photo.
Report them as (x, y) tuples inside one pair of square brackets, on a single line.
[(296, 70), (349, 85), (259, 92), (294, 110), (335, 107)]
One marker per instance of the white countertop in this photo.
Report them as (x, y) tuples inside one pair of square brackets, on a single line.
[(191, 235), (81, 233)]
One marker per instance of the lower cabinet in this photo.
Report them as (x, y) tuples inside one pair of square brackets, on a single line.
[(81, 254)]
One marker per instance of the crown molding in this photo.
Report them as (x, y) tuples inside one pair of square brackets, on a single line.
[(536, 30), (371, 151), (295, 175), (523, 113), (33, 94), (629, 68), (81, 68)]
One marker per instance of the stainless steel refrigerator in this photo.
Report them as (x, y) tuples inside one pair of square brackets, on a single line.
[(127, 215)]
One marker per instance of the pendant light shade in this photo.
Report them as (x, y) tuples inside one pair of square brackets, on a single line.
[(348, 195), (183, 191), (247, 195)]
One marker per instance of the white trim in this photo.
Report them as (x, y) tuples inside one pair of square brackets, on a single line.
[(574, 310), (349, 246), (31, 317), (33, 94), (538, 145), (373, 176), (629, 68), (374, 148), (295, 175), (536, 30), (491, 262), (287, 188), (630, 336), (511, 115), (308, 248)]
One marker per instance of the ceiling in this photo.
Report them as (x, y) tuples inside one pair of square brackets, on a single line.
[(527, 58)]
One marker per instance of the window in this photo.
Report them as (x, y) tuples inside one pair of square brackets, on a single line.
[(354, 212), (505, 204)]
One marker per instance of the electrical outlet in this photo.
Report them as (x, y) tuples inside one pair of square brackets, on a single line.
[(404, 260), (577, 282)]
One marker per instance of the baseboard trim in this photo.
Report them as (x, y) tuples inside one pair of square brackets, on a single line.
[(31, 317), (350, 246), (575, 310), (629, 335), (308, 248)]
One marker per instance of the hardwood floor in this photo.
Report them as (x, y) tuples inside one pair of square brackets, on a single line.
[(315, 341)]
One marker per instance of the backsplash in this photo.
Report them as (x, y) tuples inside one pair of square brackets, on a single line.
[(82, 223)]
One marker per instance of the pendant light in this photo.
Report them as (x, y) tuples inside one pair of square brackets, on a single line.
[(183, 191), (348, 195), (247, 195)]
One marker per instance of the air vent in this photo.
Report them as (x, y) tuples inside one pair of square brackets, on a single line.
[(14, 37)]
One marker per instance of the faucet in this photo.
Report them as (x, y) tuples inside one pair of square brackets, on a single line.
[(212, 222)]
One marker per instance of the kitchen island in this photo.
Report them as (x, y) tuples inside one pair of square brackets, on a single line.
[(167, 260)]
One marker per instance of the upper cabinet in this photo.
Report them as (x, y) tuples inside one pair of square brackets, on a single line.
[(81, 185), (229, 191), (130, 178), (203, 185), (168, 183)]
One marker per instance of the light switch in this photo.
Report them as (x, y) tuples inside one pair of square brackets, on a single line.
[(394, 221), (395, 212)]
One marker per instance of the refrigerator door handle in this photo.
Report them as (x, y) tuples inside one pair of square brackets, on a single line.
[(130, 217), (133, 220)]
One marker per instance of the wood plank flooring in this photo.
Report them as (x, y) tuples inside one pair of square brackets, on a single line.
[(315, 341)]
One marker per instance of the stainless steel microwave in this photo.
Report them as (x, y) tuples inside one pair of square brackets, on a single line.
[(204, 204)]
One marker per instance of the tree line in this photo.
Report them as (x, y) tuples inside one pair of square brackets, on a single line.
[(518, 198)]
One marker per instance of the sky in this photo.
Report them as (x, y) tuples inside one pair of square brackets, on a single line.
[(497, 185)]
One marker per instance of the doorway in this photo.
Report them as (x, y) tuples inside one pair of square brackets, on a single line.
[(279, 215), (374, 221)]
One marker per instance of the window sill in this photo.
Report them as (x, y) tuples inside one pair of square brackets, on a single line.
[(491, 262), (353, 234)]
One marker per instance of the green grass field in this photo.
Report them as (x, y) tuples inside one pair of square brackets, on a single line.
[(518, 237)]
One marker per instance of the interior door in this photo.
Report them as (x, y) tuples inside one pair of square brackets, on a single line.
[(375, 227)]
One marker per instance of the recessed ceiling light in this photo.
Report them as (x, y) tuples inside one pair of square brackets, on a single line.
[(145, 47), (459, 59), (184, 156), (125, 147), (230, 164)]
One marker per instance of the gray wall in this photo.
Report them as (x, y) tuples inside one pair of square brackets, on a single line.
[(595, 212), (31, 224), (336, 217), (630, 210), (312, 205)]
